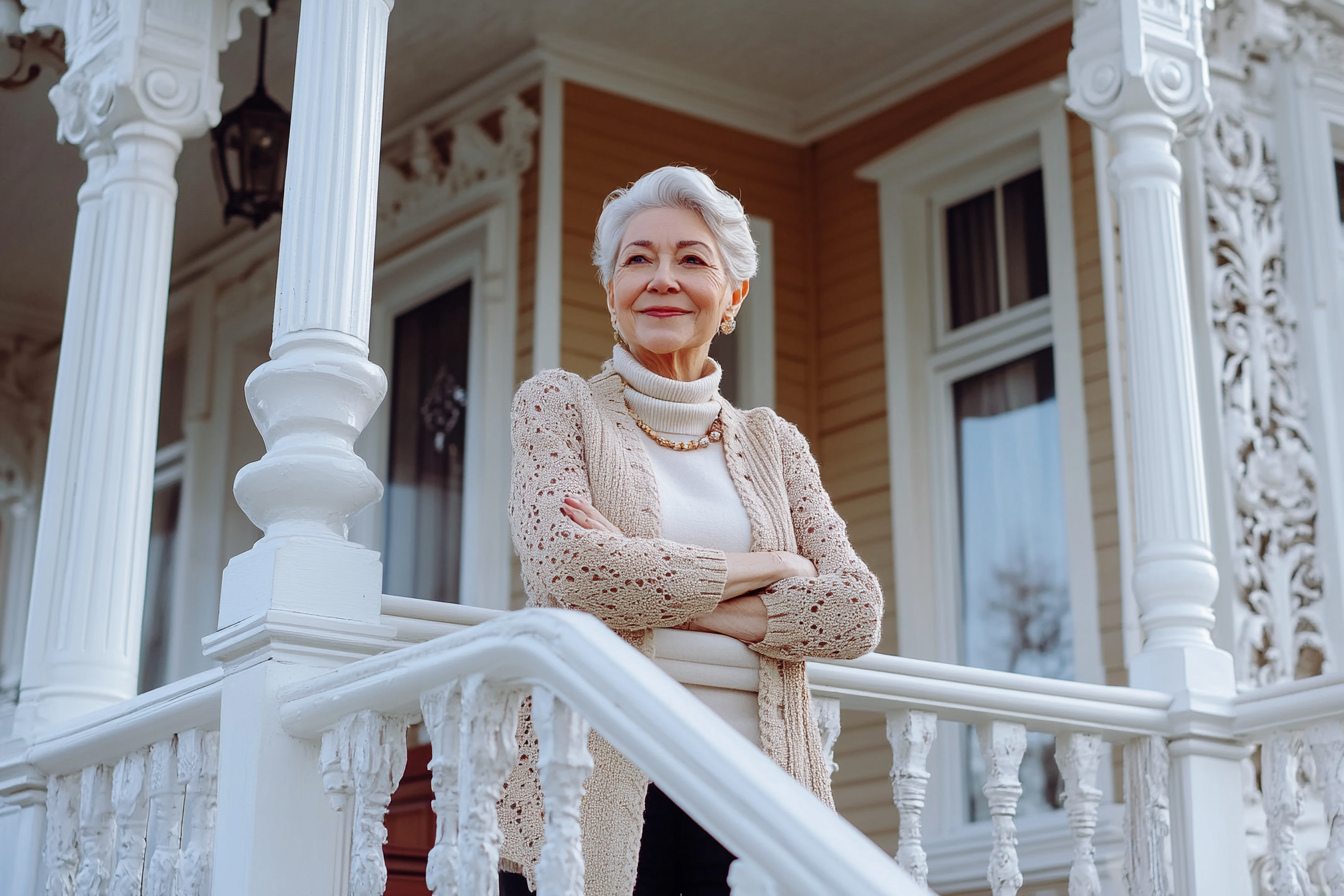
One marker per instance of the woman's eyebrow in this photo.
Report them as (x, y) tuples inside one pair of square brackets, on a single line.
[(684, 243), (648, 244)]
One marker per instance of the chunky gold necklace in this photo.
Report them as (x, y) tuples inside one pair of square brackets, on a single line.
[(713, 434)]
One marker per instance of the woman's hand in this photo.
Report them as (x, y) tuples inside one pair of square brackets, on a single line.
[(761, 569), (743, 618), (586, 515)]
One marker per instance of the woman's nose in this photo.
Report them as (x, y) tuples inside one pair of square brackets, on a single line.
[(663, 279)]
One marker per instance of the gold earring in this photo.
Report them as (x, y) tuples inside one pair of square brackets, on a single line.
[(619, 339), (728, 326)]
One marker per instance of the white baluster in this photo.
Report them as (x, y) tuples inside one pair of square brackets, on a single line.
[(95, 831), (1002, 744), (62, 839), (1327, 748), (563, 764), (198, 771), (1079, 757), (365, 755), (489, 752), (442, 711), (131, 805), (165, 819), (911, 733), (1280, 762), (826, 716), (746, 878), (1147, 817)]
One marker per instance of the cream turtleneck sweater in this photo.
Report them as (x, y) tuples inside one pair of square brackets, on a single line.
[(699, 502)]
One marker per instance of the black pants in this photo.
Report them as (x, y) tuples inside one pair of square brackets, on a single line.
[(677, 857)]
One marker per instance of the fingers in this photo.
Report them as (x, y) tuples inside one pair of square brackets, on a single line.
[(586, 515)]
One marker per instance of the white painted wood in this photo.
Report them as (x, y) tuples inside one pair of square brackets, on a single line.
[(164, 834), (1148, 818), (1002, 744), (1327, 749), (363, 759), (441, 710), (316, 394), (198, 772), (62, 835), (1280, 764), (826, 716), (563, 764), (550, 226), (911, 733), (746, 878), (95, 832), (1079, 756), (130, 803), (82, 642), (489, 753)]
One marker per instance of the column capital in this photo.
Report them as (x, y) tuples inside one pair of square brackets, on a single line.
[(138, 61), (1139, 57)]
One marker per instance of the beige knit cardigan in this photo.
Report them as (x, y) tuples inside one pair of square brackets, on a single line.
[(574, 438)]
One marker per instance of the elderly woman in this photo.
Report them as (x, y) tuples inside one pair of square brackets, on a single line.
[(643, 497)]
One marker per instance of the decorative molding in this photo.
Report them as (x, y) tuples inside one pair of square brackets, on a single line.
[(1079, 757), (1147, 817), (95, 831), (62, 835), (826, 716), (911, 733), (436, 162), (489, 753), (198, 773), (441, 710), (1326, 742), (1280, 626), (563, 764), (363, 758), (1002, 745), (164, 835), (130, 804), (1280, 767)]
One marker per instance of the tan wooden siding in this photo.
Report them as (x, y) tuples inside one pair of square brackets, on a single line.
[(609, 142), (852, 429), (527, 252)]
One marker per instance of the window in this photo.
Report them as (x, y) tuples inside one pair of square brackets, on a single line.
[(427, 452), (747, 355), (991, 499)]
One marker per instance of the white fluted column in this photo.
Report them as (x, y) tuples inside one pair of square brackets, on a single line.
[(1138, 71), (304, 597)]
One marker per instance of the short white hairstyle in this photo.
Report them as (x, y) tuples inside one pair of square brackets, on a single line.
[(677, 186)]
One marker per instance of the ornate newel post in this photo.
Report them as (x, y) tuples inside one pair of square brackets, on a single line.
[(143, 76), (1138, 70), (305, 598)]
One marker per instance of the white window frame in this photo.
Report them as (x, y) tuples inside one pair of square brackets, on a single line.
[(756, 320), (972, 151), (482, 248)]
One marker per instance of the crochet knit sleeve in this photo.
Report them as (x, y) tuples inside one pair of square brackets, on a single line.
[(838, 614), (629, 583)]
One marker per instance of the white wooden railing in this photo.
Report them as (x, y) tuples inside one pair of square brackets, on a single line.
[(467, 686), (131, 791), (131, 795)]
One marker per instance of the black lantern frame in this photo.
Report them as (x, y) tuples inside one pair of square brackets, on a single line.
[(251, 148)]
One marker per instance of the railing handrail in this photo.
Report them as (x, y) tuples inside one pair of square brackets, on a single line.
[(880, 682), (1292, 704), (682, 746), (122, 728)]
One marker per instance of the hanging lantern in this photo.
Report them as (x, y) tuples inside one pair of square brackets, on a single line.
[(251, 144)]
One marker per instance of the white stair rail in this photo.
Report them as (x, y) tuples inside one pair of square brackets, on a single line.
[(693, 755)]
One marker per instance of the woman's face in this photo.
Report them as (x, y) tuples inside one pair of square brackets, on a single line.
[(669, 292)]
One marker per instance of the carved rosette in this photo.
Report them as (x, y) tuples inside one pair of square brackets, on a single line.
[(1280, 630)]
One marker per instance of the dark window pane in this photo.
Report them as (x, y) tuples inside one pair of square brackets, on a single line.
[(423, 550), (724, 349), (1339, 186), (173, 389), (1014, 554), (972, 265), (1024, 238)]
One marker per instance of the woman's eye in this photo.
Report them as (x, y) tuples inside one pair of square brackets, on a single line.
[(694, 259), (634, 259)]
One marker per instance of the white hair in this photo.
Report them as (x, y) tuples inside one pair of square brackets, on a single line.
[(677, 186)]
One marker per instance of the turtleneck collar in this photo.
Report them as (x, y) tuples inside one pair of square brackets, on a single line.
[(668, 406)]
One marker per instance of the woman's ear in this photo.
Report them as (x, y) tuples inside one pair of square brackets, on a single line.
[(611, 300), (739, 294)]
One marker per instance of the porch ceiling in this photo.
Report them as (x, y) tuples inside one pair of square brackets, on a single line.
[(811, 66)]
